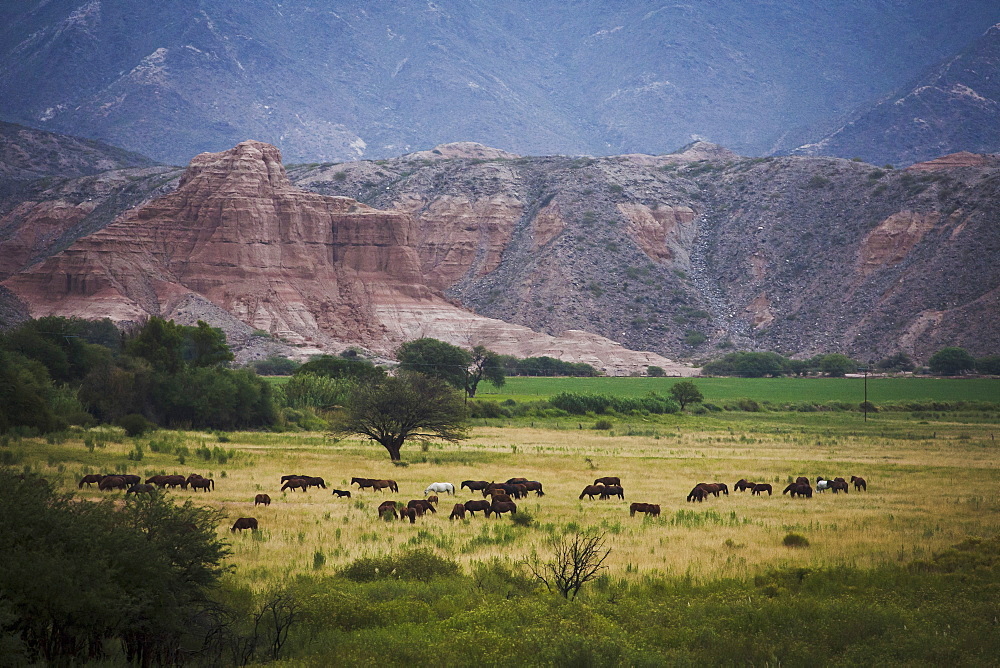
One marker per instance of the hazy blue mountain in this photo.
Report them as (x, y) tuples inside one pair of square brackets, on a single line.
[(954, 106), (336, 80)]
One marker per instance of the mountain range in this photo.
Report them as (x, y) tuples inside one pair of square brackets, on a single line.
[(335, 80)]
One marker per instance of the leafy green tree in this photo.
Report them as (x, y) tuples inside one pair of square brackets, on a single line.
[(435, 358), (307, 390), (989, 365), (398, 408), (686, 392), (951, 361), (160, 343), (655, 371), (836, 365), (897, 362), (276, 366), (338, 367), (747, 365), (206, 345), (25, 388), (486, 365)]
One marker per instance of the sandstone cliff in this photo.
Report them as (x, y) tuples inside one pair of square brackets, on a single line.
[(317, 271)]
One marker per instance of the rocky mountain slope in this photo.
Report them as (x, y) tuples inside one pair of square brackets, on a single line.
[(236, 239), (338, 80), (955, 106)]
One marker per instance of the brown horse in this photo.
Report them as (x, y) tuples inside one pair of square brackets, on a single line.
[(207, 484), (608, 480), (261, 499), (112, 482), (500, 496), (474, 485), (432, 499), (859, 483), (457, 512), (245, 523), (761, 487), (799, 489), (743, 485), (839, 485), (175, 481), (472, 507), (341, 493), (697, 494), (500, 507), (637, 508), (387, 508), (613, 490), (533, 486), (421, 503), (90, 479), (295, 483), (592, 491), (710, 487), (514, 481), (802, 480), (140, 488), (408, 514)]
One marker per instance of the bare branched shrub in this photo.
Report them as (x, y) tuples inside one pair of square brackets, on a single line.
[(577, 559)]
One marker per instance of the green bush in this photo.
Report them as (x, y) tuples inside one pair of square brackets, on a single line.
[(416, 564), (135, 424), (795, 540), (603, 425)]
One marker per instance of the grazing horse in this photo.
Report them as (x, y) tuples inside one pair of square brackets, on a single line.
[(838, 485), (295, 483), (608, 480), (592, 491), (245, 523), (472, 507), (261, 499), (613, 490), (433, 499), (761, 487), (90, 479), (499, 495), (533, 486), (131, 479), (743, 485), (637, 508), (457, 512), (341, 493), (175, 481), (140, 488), (514, 481), (859, 483), (500, 507), (474, 485), (723, 487), (710, 487), (822, 484), (112, 482), (440, 488), (408, 514), (802, 480), (421, 503), (286, 478), (697, 494), (387, 508), (799, 489), (206, 484)]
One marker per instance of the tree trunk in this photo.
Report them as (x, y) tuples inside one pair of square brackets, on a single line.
[(393, 449)]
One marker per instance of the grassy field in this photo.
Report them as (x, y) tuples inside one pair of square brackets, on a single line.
[(762, 389), (932, 482)]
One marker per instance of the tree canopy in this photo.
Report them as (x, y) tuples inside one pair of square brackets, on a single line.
[(437, 359), (951, 361), (686, 392), (398, 408), (486, 365)]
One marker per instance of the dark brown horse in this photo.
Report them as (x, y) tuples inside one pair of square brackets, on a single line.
[(141, 488), (262, 500), (608, 480), (408, 514), (89, 479), (245, 523), (474, 485), (761, 487), (802, 480), (697, 494), (859, 483), (743, 485), (839, 485), (500, 507), (207, 484), (341, 493), (613, 490), (432, 499), (637, 508), (533, 486), (131, 479), (514, 481), (421, 503), (472, 507), (457, 512), (387, 508), (710, 487), (592, 491), (112, 482), (295, 483), (799, 489)]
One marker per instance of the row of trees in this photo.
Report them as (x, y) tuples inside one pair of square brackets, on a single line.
[(946, 362)]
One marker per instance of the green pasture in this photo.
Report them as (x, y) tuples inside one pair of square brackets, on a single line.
[(775, 390)]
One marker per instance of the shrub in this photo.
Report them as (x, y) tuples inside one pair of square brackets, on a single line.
[(795, 540), (135, 424), (417, 564), (522, 518), (603, 425)]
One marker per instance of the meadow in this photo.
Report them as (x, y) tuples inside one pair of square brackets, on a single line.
[(932, 482)]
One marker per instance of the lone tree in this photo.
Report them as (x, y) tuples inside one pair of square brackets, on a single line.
[(577, 560), (686, 392), (951, 361), (408, 405), (486, 365)]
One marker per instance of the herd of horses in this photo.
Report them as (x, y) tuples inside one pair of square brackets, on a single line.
[(133, 484), (800, 487)]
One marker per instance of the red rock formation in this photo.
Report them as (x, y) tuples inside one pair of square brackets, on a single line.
[(315, 270)]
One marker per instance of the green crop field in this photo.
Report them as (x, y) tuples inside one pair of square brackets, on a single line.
[(775, 390)]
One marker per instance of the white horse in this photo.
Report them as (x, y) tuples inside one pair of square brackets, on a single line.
[(440, 487), (822, 485)]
